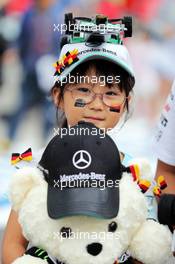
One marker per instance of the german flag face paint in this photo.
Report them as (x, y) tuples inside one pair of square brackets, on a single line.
[(25, 156), (79, 103), (115, 109)]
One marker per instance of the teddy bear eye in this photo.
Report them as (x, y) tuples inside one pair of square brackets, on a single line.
[(112, 227), (66, 232)]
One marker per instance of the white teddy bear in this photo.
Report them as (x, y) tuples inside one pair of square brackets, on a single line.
[(86, 224), (83, 239)]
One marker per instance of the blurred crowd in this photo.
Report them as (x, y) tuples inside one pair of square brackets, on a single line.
[(29, 46)]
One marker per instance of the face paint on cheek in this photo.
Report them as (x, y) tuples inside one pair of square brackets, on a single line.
[(79, 103), (115, 109)]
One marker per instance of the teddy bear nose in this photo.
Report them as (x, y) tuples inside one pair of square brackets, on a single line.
[(94, 249)]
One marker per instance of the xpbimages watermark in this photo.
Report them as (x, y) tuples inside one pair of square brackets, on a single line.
[(87, 236), (94, 79), (76, 181), (79, 131), (102, 28)]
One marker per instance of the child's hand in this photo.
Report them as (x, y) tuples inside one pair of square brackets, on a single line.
[(27, 259)]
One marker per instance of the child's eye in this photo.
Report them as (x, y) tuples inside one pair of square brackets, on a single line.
[(112, 93), (83, 90), (112, 227), (66, 232)]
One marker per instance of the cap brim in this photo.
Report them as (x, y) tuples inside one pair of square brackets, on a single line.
[(94, 202), (93, 56)]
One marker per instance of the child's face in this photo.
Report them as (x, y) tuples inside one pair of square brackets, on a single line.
[(96, 111)]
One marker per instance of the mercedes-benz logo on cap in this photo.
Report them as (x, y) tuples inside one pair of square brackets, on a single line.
[(81, 159)]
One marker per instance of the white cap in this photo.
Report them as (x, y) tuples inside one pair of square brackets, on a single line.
[(74, 54)]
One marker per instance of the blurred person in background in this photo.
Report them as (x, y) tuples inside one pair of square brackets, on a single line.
[(165, 142), (152, 84), (112, 8), (143, 10), (165, 152), (37, 46), (17, 6), (29, 59), (9, 28), (152, 51), (162, 27), (150, 73), (3, 47)]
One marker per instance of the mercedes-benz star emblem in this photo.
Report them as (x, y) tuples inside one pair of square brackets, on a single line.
[(81, 159)]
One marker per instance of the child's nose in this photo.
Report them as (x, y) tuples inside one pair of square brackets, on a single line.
[(97, 103)]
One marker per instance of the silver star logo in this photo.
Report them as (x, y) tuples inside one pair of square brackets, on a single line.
[(81, 157)]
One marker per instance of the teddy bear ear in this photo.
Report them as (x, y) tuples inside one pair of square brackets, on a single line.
[(21, 184)]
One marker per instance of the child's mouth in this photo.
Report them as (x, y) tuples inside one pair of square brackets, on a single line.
[(94, 118)]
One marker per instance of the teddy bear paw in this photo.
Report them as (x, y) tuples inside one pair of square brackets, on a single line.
[(152, 243)]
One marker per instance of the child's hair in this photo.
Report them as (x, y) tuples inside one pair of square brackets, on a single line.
[(103, 68)]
